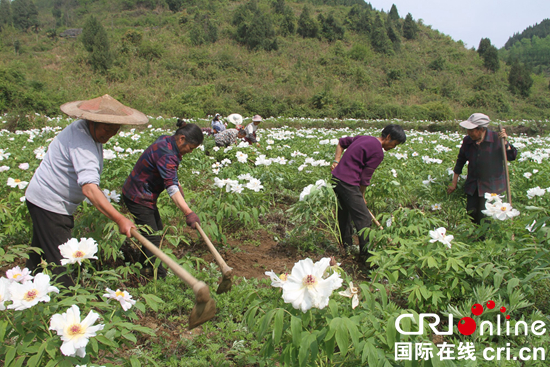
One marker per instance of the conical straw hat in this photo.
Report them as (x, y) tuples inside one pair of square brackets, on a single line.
[(104, 109)]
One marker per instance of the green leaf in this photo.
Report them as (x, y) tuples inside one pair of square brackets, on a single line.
[(383, 293), (342, 339), (498, 280), (512, 283), (333, 306), (10, 355), (265, 322), (296, 330), (431, 262), (134, 362), (304, 348), (391, 332), (19, 362), (278, 325), (3, 329)]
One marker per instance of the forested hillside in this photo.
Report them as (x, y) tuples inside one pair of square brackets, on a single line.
[(531, 47), (192, 58)]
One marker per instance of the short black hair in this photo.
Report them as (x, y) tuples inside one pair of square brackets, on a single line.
[(193, 133), (395, 132)]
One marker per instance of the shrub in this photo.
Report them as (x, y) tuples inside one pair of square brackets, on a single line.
[(410, 29), (520, 80), (95, 41), (307, 26)]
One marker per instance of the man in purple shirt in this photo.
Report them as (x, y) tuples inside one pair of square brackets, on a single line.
[(482, 149), (352, 173), (155, 171)]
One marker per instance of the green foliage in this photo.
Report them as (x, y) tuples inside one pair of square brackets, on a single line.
[(5, 14), (393, 35), (255, 28), (540, 30), (204, 30), (379, 39), (393, 14), (359, 20), (410, 28), (24, 14), (519, 79), (308, 27), (17, 93), (438, 64), (331, 29), (484, 45), (96, 42), (490, 59)]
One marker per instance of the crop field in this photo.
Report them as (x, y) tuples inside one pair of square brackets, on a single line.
[(270, 208)]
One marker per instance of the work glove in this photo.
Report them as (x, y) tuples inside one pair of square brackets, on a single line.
[(191, 219)]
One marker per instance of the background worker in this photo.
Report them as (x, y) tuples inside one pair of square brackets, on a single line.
[(352, 173), (217, 124), (229, 137), (482, 149), (70, 172), (155, 171), (251, 128)]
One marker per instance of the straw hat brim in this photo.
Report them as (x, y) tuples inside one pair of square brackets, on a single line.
[(105, 109)]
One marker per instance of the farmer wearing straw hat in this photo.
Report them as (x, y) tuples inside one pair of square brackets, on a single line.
[(70, 172), (482, 149), (155, 171), (251, 128), (352, 173)]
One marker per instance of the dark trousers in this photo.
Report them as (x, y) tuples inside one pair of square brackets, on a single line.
[(151, 217), (352, 208), (474, 205), (49, 230)]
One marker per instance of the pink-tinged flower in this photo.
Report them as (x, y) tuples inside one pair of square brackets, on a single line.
[(440, 234), (123, 297), (277, 281), (24, 166), (351, 292), (305, 287), (74, 333), (4, 292), (17, 275), (30, 293), (75, 251)]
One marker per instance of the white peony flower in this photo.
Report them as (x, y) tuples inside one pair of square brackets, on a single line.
[(24, 166), (305, 287), (436, 207), (4, 168), (17, 182), (255, 185), (241, 157), (429, 180), (440, 235), (74, 333), (111, 195), (15, 274), (351, 292), (535, 191), (492, 197), (75, 251), (123, 297), (30, 293), (277, 281), (4, 292), (500, 211), (527, 174)]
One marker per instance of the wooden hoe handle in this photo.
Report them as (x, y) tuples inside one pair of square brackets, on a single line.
[(221, 263)]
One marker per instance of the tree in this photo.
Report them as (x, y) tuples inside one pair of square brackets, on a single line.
[(379, 38), (520, 80), (203, 30), (410, 29), (255, 28), (279, 6), (95, 41), (5, 13), (24, 14), (490, 59), (484, 44), (288, 23), (359, 19), (331, 28), (393, 35), (393, 15), (307, 26)]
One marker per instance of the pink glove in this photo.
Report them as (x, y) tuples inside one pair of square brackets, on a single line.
[(191, 219)]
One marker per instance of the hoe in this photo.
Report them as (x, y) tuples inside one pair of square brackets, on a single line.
[(225, 284), (205, 307)]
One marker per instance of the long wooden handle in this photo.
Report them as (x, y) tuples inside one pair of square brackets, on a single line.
[(374, 219), (174, 266), (508, 190), (221, 263)]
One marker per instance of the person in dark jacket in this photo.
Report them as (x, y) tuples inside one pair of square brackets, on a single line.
[(482, 149), (352, 173), (155, 171)]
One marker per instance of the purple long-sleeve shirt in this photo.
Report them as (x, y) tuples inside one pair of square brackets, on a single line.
[(363, 155)]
